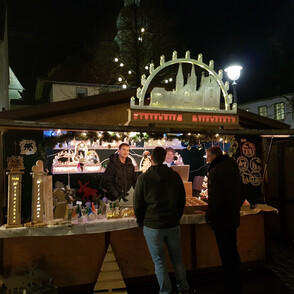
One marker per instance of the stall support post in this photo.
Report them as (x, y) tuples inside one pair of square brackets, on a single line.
[(266, 151), (2, 177), (2, 193)]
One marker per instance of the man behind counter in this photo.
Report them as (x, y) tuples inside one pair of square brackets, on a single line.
[(119, 175), (170, 156)]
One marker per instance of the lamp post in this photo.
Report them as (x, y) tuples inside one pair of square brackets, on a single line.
[(233, 73)]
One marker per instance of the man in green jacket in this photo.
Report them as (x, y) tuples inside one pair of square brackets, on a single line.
[(159, 201)]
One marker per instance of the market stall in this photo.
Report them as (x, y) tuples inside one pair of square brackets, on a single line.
[(82, 247), (86, 131)]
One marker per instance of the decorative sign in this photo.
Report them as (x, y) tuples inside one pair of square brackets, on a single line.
[(245, 177), (14, 165), (14, 199), (202, 104), (248, 149), (250, 168), (42, 196), (181, 118), (255, 164), (81, 159), (243, 163), (48, 198), (28, 147), (255, 179)]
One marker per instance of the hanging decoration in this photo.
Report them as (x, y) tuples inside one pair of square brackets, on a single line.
[(28, 147), (250, 165), (145, 161), (96, 138)]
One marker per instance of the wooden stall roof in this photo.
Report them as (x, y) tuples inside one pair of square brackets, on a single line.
[(109, 111)]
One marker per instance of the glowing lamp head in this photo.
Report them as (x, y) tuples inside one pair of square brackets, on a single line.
[(233, 72)]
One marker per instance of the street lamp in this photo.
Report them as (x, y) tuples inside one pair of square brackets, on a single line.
[(233, 73)]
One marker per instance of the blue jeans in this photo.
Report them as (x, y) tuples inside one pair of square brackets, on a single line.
[(156, 238)]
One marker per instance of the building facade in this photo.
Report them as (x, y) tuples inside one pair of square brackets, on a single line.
[(4, 67), (61, 91), (280, 108)]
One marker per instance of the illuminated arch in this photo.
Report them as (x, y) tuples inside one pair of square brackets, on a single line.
[(141, 92)]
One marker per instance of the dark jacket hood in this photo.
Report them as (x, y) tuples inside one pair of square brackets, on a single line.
[(115, 159), (159, 172)]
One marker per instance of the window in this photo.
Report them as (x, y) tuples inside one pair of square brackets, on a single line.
[(262, 110), (280, 111), (81, 92)]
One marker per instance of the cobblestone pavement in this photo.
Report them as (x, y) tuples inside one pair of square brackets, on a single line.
[(282, 262), (277, 276)]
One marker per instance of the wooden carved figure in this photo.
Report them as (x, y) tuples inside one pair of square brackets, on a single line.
[(60, 201)]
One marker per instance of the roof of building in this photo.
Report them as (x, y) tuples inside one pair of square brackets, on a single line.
[(46, 112)]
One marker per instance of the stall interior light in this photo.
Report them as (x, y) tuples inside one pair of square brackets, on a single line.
[(275, 136)]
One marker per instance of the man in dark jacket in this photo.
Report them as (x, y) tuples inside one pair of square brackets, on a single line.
[(159, 201), (223, 212), (119, 175)]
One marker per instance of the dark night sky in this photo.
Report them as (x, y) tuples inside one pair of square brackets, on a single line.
[(256, 34)]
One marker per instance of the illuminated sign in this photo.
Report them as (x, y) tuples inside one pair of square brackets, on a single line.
[(158, 116), (14, 199), (185, 118), (219, 119)]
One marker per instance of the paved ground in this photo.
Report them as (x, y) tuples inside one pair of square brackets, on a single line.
[(256, 281), (275, 277), (282, 263)]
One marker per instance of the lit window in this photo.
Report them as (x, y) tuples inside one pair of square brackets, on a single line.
[(280, 111), (262, 110), (81, 92)]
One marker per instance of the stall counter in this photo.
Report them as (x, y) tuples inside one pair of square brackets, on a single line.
[(74, 255)]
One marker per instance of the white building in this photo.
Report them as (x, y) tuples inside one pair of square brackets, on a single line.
[(280, 108), (4, 67), (61, 91)]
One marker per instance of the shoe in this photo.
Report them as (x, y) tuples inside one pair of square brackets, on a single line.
[(191, 291)]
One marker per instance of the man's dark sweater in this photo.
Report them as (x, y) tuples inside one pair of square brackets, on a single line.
[(159, 198)]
